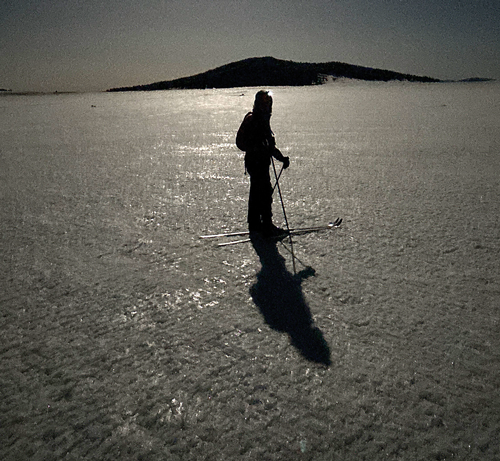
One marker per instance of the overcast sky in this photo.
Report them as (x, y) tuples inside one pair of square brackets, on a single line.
[(89, 45)]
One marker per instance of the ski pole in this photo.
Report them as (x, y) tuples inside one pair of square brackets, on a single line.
[(277, 179), (284, 214)]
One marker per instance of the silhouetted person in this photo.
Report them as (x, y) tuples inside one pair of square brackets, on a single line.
[(256, 139)]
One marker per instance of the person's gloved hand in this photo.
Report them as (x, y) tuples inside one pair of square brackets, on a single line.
[(286, 162)]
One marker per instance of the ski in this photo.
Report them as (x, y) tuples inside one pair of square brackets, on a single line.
[(233, 242), (225, 234), (294, 231), (305, 230)]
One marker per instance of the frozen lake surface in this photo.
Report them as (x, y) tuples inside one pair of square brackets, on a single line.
[(124, 336)]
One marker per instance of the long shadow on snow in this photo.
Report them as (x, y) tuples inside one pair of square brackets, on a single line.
[(278, 295)]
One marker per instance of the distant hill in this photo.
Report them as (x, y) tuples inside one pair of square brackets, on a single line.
[(269, 71), (476, 80)]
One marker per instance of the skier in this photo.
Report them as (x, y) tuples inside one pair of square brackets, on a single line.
[(256, 139)]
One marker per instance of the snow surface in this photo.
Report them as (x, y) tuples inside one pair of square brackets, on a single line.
[(125, 336)]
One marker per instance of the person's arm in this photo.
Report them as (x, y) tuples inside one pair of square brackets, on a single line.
[(279, 156)]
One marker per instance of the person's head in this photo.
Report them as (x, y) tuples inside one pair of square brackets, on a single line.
[(263, 102)]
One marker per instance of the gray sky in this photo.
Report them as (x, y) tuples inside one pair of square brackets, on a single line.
[(89, 45)]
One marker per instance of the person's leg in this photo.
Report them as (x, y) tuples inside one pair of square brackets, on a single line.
[(254, 219), (260, 199), (268, 228), (266, 200)]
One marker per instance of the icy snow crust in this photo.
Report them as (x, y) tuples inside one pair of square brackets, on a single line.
[(126, 337)]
